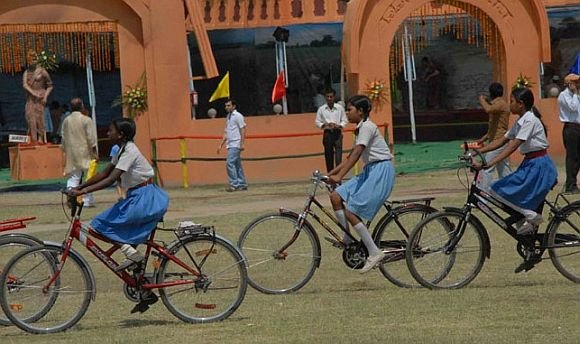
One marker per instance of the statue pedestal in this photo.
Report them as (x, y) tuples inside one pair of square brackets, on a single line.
[(34, 162)]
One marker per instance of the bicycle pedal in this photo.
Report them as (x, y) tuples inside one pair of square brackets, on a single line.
[(335, 243), (145, 303), (526, 265)]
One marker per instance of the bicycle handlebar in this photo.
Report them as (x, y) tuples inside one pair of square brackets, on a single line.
[(469, 157), (318, 177)]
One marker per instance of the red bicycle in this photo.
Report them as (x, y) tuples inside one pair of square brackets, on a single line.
[(12, 243), (200, 277)]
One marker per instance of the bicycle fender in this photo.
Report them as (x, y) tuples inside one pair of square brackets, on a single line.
[(80, 258), (294, 215), (22, 236), (559, 217), (478, 225)]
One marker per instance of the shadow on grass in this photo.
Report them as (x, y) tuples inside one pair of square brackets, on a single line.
[(132, 323)]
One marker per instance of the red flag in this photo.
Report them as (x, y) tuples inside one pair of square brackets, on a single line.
[(279, 90)]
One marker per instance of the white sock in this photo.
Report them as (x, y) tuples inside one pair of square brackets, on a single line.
[(366, 238), (341, 217), (128, 250)]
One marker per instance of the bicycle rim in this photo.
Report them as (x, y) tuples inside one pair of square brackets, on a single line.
[(391, 237), (216, 293), (26, 291), (9, 247), (564, 244), (271, 271), (429, 259)]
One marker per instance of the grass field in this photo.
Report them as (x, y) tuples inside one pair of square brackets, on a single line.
[(338, 305)]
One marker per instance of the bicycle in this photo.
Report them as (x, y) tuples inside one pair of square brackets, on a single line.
[(283, 249), (447, 250), (12, 243), (200, 276)]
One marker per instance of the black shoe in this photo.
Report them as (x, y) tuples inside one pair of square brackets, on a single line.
[(131, 262), (146, 301), (242, 188), (527, 264)]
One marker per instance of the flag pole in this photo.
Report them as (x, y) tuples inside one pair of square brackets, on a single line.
[(91, 91)]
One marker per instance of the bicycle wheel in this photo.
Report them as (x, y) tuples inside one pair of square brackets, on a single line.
[(429, 259), (271, 271), (391, 236), (564, 242), (216, 292), (36, 281), (10, 245)]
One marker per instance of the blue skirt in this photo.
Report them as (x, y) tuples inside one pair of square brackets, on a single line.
[(365, 194), (130, 221), (528, 186)]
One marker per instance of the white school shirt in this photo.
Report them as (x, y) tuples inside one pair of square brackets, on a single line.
[(134, 165), (326, 115), (376, 149), (569, 107), (234, 124), (530, 130)]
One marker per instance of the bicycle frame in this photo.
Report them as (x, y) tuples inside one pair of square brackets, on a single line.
[(317, 180), (82, 233), (480, 199)]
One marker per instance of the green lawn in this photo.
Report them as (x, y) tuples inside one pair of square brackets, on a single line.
[(338, 305)]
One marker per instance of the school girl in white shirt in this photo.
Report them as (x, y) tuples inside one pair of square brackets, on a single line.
[(360, 198)]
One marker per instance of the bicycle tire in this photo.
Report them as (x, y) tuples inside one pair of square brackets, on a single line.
[(274, 272), (10, 244), (391, 234), (425, 248), (564, 241), (44, 262), (219, 289)]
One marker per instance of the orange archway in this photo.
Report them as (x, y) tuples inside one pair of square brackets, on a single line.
[(370, 27)]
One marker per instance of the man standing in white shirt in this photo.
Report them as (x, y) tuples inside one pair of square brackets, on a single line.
[(79, 143), (569, 102), (234, 135), (331, 118)]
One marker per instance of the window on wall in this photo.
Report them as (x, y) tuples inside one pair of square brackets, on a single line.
[(565, 45), (313, 57)]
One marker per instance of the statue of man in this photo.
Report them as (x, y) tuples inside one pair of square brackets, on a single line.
[(37, 83)]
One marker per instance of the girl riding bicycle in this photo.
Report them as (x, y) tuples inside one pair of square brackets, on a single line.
[(130, 220), (526, 188), (365, 193)]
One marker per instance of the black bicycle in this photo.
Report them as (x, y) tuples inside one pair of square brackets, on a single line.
[(283, 249), (448, 249)]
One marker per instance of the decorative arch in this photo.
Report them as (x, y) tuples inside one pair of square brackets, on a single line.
[(359, 12), (370, 27)]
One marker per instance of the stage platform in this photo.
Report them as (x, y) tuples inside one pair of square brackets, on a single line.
[(36, 162)]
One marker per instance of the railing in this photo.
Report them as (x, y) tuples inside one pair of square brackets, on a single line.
[(184, 158), (234, 14)]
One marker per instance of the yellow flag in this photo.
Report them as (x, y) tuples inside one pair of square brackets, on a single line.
[(222, 90)]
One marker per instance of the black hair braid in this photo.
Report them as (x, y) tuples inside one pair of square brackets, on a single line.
[(526, 96)]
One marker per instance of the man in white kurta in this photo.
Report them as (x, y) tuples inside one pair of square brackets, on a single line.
[(79, 143)]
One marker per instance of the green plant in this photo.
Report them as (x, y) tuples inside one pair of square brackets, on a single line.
[(46, 59), (134, 98), (522, 81)]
